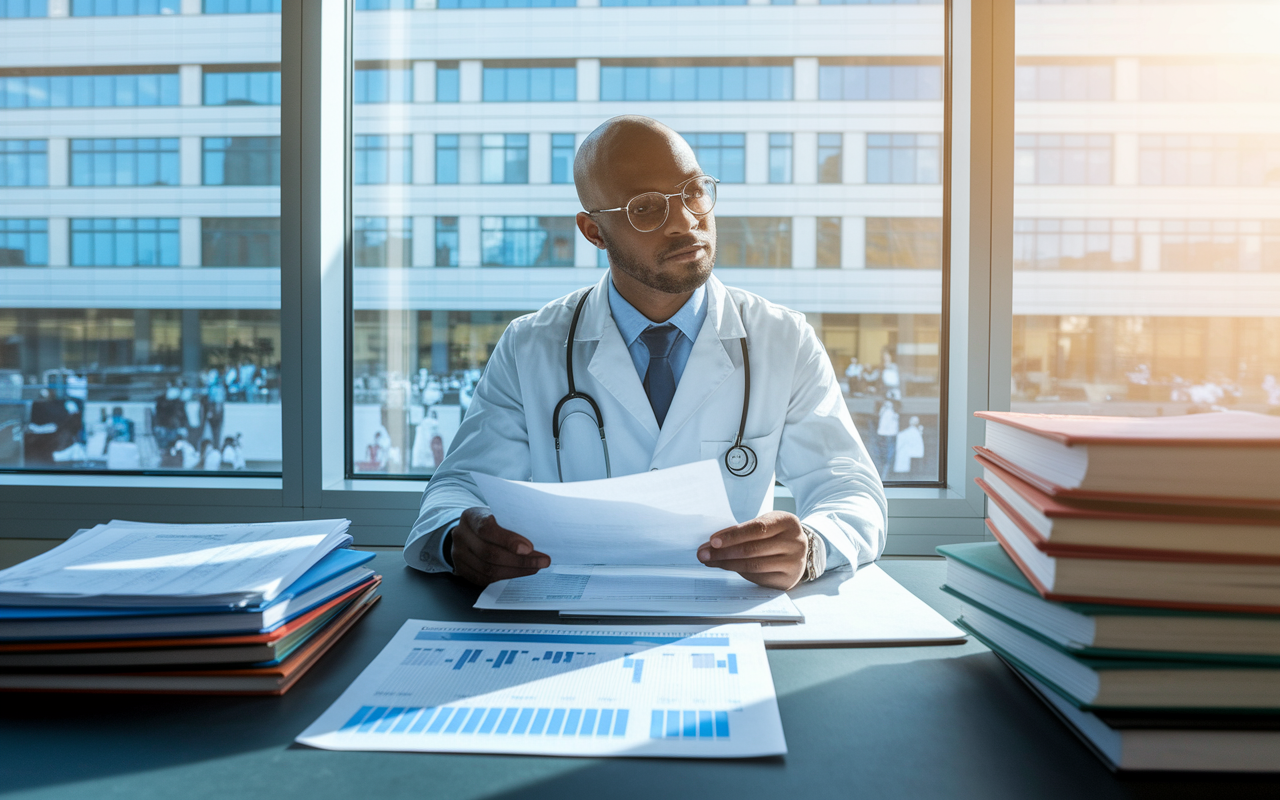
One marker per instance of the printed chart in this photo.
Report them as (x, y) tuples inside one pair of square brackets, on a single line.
[(685, 691)]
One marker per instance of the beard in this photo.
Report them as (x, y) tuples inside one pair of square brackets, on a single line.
[(681, 279)]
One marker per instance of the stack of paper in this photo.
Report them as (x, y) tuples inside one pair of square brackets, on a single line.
[(244, 608)]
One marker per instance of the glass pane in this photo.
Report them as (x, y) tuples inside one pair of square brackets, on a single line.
[(140, 242), (1145, 246), (824, 189)]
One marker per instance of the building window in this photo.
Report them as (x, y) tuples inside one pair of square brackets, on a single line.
[(879, 82), (67, 91), (124, 8), (446, 158), (904, 158), (241, 88), (530, 84), (382, 241), (106, 242), (240, 242), (562, 152), (885, 2), (692, 82), (507, 3), (383, 5), (904, 243), (16, 9), (1049, 82), (828, 242), (124, 162), (673, 2), (447, 87), (1207, 83), (504, 158), (779, 158), (1051, 159), (446, 241), (1094, 244), (830, 158), (527, 241), (382, 84), (753, 242), (721, 155), (384, 158), (1209, 160), (242, 161), (24, 242), (24, 162), (1218, 245), (242, 6)]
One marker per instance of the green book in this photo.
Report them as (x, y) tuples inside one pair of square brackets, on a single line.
[(982, 574)]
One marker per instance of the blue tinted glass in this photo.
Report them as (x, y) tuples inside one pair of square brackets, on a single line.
[(611, 83), (708, 83), (661, 83), (637, 83), (829, 83), (446, 86), (929, 83), (879, 83), (780, 83), (566, 84), (539, 85), (733, 82), (686, 83), (757, 87), (495, 85)]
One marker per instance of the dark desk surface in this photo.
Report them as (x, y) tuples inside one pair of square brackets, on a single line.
[(914, 722)]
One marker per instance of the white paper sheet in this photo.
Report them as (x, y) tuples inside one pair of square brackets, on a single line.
[(133, 563), (677, 691), (651, 518), (641, 591)]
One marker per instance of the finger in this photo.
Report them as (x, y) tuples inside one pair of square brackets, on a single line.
[(750, 530), (756, 548), (490, 531), (486, 552), (759, 566), (483, 574)]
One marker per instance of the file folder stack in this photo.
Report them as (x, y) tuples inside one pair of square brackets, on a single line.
[(1134, 583), (199, 609)]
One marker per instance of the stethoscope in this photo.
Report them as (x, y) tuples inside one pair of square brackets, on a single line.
[(740, 460)]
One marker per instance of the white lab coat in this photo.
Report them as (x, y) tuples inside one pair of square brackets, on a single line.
[(798, 423)]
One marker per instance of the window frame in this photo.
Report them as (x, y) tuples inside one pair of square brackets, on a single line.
[(315, 285)]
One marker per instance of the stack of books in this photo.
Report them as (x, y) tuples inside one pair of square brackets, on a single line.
[(194, 609), (1135, 581)]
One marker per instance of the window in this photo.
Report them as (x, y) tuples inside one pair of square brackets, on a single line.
[(242, 161), (240, 242), (527, 241), (1216, 246), (828, 242), (242, 6), (879, 81), (15, 9), (562, 153), (904, 243), (1209, 160), (65, 90), (383, 5), (830, 158), (1078, 82), (620, 81), (1054, 159), (446, 158), (904, 158), (447, 88), (1089, 244), (24, 162), (721, 155), (753, 242), (779, 158), (382, 242), (124, 242), (24, 242), (259, 88), (383, 159), (124, 8), (529, 84), (383, 84), (446, 241), (673, 2), (880, 2), (124, 162), (504, 158), (1182, 82), (506, 3)]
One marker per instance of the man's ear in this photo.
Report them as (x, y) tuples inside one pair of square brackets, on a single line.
[(589, 228)]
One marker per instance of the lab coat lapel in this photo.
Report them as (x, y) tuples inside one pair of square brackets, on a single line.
[(611, 364)]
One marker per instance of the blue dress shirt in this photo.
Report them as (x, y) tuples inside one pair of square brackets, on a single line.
[(631, 323)]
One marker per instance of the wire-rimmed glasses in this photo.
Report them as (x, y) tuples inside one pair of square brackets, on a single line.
[(647, 212)]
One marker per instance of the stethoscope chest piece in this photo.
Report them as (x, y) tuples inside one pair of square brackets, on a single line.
[(740, 460)]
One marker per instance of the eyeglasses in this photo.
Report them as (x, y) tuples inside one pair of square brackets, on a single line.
[(648, 212)]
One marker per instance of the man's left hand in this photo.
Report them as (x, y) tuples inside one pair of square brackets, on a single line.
[(768, 550)]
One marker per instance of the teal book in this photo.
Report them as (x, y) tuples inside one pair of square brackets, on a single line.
[(982, 574)]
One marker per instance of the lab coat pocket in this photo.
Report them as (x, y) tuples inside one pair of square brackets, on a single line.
[(749, 495)]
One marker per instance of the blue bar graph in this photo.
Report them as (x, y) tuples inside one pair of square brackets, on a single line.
[(438, 724), (508, 718), (733, 664), (705, 725), (391, 718), (356, 718), (422, 721), (571, 638), (405, 720), (639, 668), (557, 721), (657, 728), (462, 662), (539, 722), (571, 722), (690, 724), (490, 720), (687, 724), (620, 722), (626, 662), (523, 721), (474, 721), (673, 723), (502, 656), (588, 722), (722, 724), (372, 719), (606, 722), (455, 724), (556, 659)]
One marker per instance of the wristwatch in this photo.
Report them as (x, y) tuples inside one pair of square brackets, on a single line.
[(812, 569)]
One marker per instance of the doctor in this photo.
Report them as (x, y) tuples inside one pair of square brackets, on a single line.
[(657, 361)]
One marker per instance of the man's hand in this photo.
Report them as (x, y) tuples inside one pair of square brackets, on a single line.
[(483, 551), (768, 550)]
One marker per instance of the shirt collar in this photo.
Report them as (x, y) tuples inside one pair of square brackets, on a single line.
[(631, 323)]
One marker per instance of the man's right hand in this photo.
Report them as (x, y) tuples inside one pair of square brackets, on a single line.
[(483, 551)]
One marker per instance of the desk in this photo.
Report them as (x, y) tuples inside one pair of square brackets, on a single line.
[(919, 722)]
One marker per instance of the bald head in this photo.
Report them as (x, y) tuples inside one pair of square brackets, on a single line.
[(624, 157)]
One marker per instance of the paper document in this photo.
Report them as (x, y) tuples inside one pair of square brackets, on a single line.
[(641, 591), (682, 691), (651, 518), (138, 564)]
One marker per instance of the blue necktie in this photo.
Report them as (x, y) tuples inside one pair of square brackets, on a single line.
[(659, 379)]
